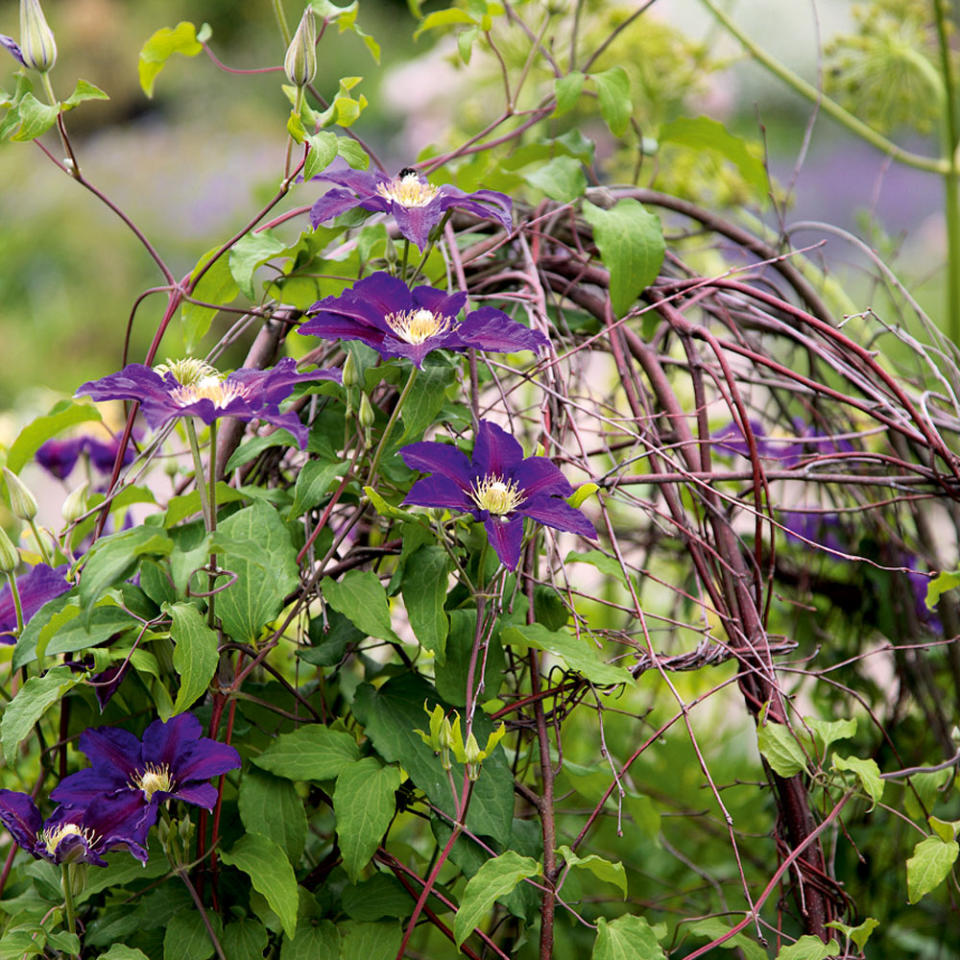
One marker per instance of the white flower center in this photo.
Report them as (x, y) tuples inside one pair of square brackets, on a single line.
[(415, 326), (408, 190), (220, 392), (495, 496), (153, 777), (51, 839), (187, 371)]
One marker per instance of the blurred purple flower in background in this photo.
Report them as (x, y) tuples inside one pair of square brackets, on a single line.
[(36, 588), (382, 312), (192, 388), (416, 205), (498, 486), (59, 457), (72, 834)]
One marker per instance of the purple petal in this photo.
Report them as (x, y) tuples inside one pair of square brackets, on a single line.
[(446, 304), (21, 817), (206, 758), (557, 513), (415, 223), (491, 329), (106, 684), (201, 794), (438, 492), (111, 749), (332, 204), (385, 293), (336, 326), (442, 458), (59, 457), (104, 455), (495, 452), (88, 785), (361, 182), (133, 382), (12, 46), (538, 475), (505, 537), (36, 588), (164, 742), (497, 206)]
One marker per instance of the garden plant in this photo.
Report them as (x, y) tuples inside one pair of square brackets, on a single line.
[(567, 564)]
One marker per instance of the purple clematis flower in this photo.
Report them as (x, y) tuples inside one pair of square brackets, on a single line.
[(59, 457), (416, 205), (385, 314), (72, 834), (36, 588), (172, 762), (13, 47), (192, 388), (498, 486)]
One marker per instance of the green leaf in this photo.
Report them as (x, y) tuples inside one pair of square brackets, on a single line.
[(631, 245), (859, 934), (713, 928), (613, 92), (380, 896), (704, 133), (122, 869), (608, 566), (186, 938), (120, 951), (248, 253), (929, 866), (424, 593), (809, 948), (36, 118), (567, 90), (939, 585), (189, 504), (313, 752), (195, 654), (113, 559), (254, 600), (64, 415), (20, 944), (215, 286), (68, 633), (314, 941), (627, 938), (424, 402), (606, 870), (364, 804), (312, 483), (270, 872), (579, 654), (244, 940), (84, 91), (826, 732), (451, 675), (254, 447), (360, 597), (369, 941), (867, 772), (946, 830), (32, 701), (323, 149), (163, 45), (271, 806), (561, 179), (779, 747), (442, 18), (495, 879), (353, 153)]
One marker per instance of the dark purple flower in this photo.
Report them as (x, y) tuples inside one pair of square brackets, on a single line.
[(416, 205), (12, 46), (172, 762), (191, 388), (75, 834), (59, 457), (396, 321), (40, 585), (498, 486), (807, 442)]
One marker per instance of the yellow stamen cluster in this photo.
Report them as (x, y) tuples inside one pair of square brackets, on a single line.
[(220, 392), (496, 496), (153, 777), (187, 371), (51, 839), (415, 326), (408, 190)]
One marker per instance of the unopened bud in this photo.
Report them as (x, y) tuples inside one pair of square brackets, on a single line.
[(473, 756), (23, 504), (350, 378), (75, 506), (37, 45), (300, 63), (9, 557), (367, 416)]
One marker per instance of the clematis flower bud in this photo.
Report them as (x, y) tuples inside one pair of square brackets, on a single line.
[(23, 504), (350, 376), (300, 63), (367, 416), (75, 506), (9, 556), (37, 45)]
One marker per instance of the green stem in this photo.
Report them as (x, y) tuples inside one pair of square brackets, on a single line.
[(66, 881), (18, 606), (434, 236), (298, 104), (403, 262), (212, 523), (198, 471), (951, 177), (282, 23), (47, 559), (388, 429), (939, 165)]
